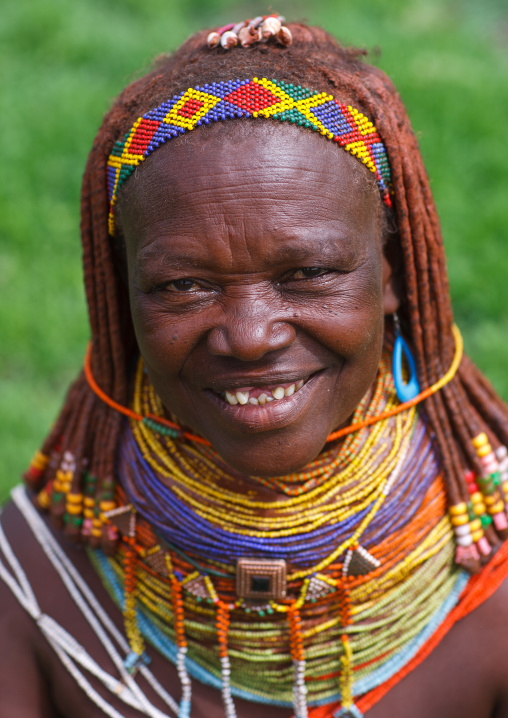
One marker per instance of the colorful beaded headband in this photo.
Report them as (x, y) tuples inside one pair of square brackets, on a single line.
[(197, 106)]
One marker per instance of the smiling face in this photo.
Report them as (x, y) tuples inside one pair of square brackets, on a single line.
[(258, 288)]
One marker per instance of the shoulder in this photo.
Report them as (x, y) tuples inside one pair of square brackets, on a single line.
[(486, 631), (17, 560), (34, 682), (23, 684), (465, 675), (482, 636)]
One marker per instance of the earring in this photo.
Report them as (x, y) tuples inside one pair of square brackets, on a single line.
[(405, 391)]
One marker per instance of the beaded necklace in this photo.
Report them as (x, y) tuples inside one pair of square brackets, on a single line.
[(349, 614)]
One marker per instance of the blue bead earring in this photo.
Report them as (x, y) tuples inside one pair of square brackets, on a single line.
[(405, 391)]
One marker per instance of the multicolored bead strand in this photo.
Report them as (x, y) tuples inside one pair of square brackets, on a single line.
[(89, 504), (178, 617), (62, 485), (298, 656), (36, 469), (222, 623), (131, 627), (502, 457), (459, 518), (478, 517), (489, 483)]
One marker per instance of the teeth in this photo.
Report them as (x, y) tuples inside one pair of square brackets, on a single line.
[(243, 397)]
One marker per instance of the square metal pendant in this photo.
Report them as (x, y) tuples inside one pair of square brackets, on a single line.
[(259, 578)]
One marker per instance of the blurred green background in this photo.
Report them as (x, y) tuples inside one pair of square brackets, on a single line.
[(61, 64)]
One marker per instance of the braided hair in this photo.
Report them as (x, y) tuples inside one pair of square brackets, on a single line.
[(80, 450)]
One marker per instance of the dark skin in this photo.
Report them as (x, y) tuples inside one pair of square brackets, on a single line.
[(222, 296)]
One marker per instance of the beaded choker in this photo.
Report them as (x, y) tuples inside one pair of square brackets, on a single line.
[(315, 598), (256, 97)]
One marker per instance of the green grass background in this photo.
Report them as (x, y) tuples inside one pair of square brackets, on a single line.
[(61, 64)]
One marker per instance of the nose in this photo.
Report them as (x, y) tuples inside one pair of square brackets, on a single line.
[(249, 329)]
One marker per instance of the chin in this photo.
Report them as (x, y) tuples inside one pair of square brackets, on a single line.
[(277, 457)]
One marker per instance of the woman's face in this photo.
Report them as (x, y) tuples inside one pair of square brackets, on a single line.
[(258, 288)]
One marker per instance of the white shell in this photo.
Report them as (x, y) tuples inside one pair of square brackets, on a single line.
[(270, 26), (229, 39), (213, 40)]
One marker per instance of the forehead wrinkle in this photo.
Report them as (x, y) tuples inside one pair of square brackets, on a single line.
[(294, 249), (234, 211)]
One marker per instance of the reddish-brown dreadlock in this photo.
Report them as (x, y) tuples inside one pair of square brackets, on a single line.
[(87, 431)]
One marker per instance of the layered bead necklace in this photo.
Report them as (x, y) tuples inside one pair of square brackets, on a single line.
[(315, 596)]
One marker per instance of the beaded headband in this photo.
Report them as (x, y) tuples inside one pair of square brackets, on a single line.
[(274, 99)]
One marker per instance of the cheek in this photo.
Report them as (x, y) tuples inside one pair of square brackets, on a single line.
[(164, 339), (352, 321)]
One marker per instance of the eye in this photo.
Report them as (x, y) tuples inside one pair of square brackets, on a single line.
[(182, 285), (308, 272)]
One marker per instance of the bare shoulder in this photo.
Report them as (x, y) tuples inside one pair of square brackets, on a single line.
[(33, 681), (488, 633), (24, 690), (465, 676)]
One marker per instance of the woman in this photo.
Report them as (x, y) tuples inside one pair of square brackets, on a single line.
[(292, 515)]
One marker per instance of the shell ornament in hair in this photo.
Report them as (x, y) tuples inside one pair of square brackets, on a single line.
[(249, 32)]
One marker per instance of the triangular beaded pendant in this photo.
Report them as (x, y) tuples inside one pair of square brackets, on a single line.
[(359, 562), (197, 587), (124, 518), (157, 560), (317, 588)]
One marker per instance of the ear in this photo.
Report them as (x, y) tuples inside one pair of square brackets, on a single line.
[(390, 298)]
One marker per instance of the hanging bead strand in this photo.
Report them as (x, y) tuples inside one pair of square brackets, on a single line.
[(298, 656), (136, 642), (348, 708), (181, 642), (222, 622)]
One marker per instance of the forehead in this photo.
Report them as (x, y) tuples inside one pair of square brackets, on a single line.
[(273, 178)]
